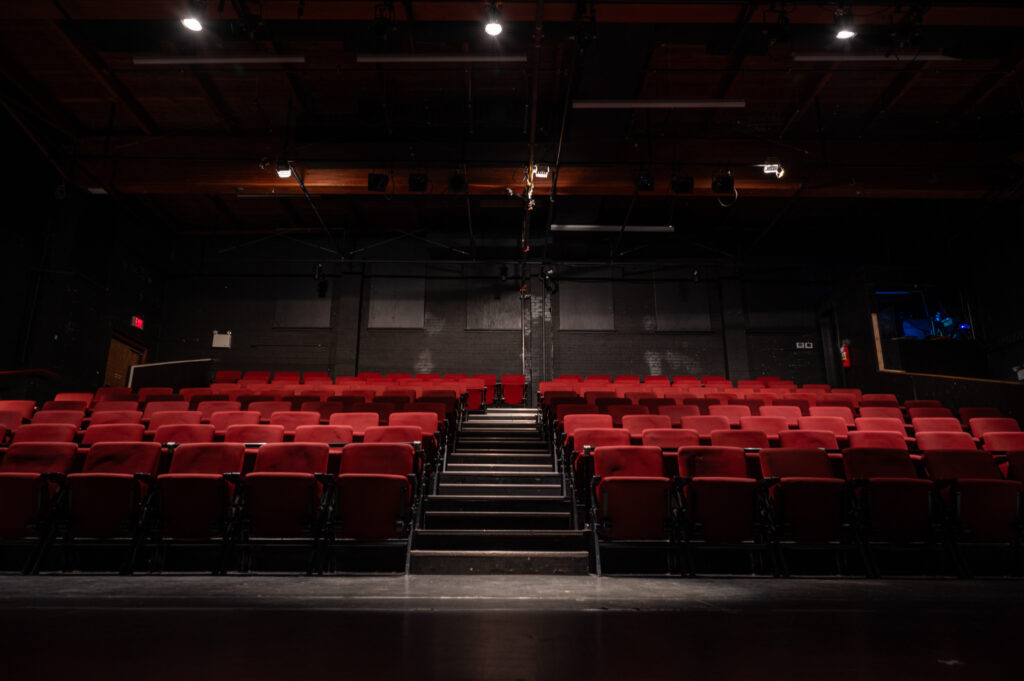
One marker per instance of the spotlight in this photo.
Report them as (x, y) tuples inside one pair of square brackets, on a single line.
[(682, 184), (845, 28), (377, 182), (724, 183), (644, 182), (418, 182), (773, 165), (493, 25), (541, 172), (457, 183), (284, 169), (192, 23)]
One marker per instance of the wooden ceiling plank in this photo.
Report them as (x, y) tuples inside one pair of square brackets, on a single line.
[(91, 59)]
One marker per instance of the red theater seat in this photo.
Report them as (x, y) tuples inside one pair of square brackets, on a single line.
[(747, 439), (45, 432), (929, 441), (183, 433), (809, 439)]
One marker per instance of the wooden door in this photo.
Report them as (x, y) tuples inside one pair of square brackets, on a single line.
[(119, 358)]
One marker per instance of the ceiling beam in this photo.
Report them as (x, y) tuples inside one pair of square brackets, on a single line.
[(48, 108), (99, 69), (986, 86), (807, 100), (892, 94), (954, 13)]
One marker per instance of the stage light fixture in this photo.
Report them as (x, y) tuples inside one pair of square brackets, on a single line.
[(418, 182), (773, 165), (493, 26), (377, 182), (192, 23), (284, 169), (191, 20), (724, 183), (682, 184), (541, 172), (845, 28), (644, 182)]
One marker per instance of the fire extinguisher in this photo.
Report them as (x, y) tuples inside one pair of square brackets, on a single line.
[(844, 354)]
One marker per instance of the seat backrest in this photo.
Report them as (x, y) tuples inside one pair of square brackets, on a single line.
[(877, 439), (678, 412), (184, 432), (332, 434), (393, 434), (618, 411), (377, 458), (268, 407), (359, 421), (705, 424), (809, 438), (65, 405), (563, 410), (208, 458), (928, 413), (66, 416), (961, 464), (113, 432), (153, 408), (222, 420), (844, 413), (914, 404), (244, 432), (946, 424), (930, 440), (291, 457), (882, 413), (164, 418), (769, 425), (45, 432), (795, 462), (635, 461), (114, 405), (74, 397), (113, 393), (574, 422), (293, 419), (122, 458), (209, 407), (599, 437), (861, 464), (733, 412), (636, 424), (109, 417), (876, 423), (834, 424), (712, 462), (39, 457), (1012, 441), (426, 421), (750, 439), (670, 438), (968, 413), (982, 425)]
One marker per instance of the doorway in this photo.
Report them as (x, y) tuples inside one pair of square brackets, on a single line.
[(122, 355)]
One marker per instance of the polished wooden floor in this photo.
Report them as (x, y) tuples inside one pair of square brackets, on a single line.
[(480, 628)]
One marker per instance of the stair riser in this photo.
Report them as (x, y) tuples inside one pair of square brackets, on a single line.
[(532, 459), (500, 491), (500, 478), (489, 542), (511, 505), (487, 564), (510, 521)]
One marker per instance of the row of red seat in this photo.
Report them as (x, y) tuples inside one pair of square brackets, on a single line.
[(709, 499), (206, 492)]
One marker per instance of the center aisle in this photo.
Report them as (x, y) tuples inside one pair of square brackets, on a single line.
[(500, 506)]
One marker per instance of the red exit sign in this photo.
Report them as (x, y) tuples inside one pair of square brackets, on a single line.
[(137, 323)]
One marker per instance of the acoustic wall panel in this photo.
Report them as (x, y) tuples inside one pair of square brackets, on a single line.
[(397, 301), (586, 306), (682, 306)]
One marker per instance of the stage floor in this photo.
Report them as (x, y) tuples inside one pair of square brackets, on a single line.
[(507, 627)]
